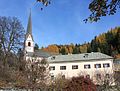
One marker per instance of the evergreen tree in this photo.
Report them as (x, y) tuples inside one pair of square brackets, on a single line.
[(36, 47), (76, 50), (62, 51), (118, 40)]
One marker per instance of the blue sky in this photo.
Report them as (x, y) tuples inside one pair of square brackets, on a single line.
[(59, 23)]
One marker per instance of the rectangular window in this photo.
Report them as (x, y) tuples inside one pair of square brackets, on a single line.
[(106, 65), (62, 67), (107, 75), (52, 68), (52, 77), (74, 66), (87, 66), (97, 65), (98, 76), (63, 76)]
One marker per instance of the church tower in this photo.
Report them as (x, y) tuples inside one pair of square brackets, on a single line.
[(29, 42)]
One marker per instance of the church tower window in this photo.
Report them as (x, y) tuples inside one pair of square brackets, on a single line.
[(29, 44)]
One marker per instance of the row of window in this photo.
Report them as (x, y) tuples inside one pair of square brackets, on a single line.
[(98, 76), (86, 66), (105, 65)]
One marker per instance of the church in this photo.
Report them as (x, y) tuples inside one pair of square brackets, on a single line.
[(93, 65)]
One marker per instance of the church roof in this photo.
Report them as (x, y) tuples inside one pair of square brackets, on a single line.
[(78, 57), (39, 53), (29, 26)]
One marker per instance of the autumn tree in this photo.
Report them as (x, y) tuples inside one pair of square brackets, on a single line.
[(80, 84)]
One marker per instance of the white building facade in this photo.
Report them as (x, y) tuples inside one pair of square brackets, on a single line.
[(92, 65)]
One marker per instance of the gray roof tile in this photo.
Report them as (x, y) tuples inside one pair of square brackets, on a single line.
[(78, 57), (39, 53)]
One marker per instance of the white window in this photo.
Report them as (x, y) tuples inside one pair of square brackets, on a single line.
[(97, 65), (74, 66), (87, 66), (52, 68), (62, 67), (106, 65)]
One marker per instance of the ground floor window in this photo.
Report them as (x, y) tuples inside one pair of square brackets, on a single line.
[(98, 76)]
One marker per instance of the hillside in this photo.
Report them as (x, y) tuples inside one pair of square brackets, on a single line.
[(108, 43)]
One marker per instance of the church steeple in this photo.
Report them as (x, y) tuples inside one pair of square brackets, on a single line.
[(29, 42), (29, 26)]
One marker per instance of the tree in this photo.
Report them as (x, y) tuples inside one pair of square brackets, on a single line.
[(94, 45), (58, 83), (11, 36), (62, 51), (44, 2), (118, 40), (76, 50), (106, 81), (37, 73), (36, 47), (98, 8), (80, 84)]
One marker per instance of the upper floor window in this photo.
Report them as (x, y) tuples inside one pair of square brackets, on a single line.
[(52, 68), (106, 65), (87, 66), (74, 66), (97, 65), (62, 67), (29, 44)]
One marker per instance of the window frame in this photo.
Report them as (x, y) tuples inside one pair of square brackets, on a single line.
[(98, 76), (74, 67), (52, 68), (97, 65), (63, 67), (87, 66), (29, 44), (106, 65), (52, 77)]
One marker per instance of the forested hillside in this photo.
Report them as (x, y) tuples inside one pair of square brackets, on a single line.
[(108, 43)]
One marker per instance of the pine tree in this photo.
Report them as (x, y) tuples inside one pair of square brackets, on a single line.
[(62, 51), (36, 47)]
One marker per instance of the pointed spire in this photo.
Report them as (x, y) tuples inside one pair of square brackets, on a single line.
[(29, 26)]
